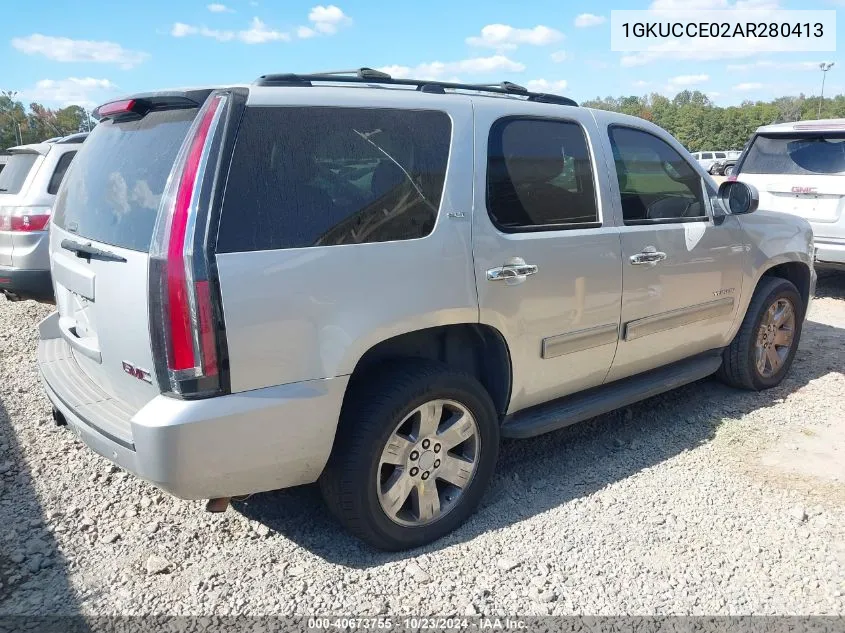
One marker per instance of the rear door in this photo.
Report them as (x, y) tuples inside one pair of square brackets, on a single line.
[(802, 173), (546, 248), (110, 201)]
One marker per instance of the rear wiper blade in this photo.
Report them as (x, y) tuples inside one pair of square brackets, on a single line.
[(87, 251)]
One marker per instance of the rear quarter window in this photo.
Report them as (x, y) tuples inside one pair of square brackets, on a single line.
[(327, 176), (59, 172)]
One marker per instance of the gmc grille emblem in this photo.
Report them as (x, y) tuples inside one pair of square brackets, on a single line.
[(137, 372), (804, 189)]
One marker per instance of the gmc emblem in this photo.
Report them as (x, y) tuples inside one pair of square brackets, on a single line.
[(805, 189), (137, 372)]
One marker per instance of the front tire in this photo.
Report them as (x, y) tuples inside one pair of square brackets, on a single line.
[(415, 450), (763, 350)]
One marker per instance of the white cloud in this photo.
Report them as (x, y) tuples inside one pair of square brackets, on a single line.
[(505, 37), (219, 8), (472, 66), (766, 63), (588, 19), (258, 33), (744, 87), (183, 30), (64, 49), (327, 20), (544, 85), (559, 56), (640, 83), (85, 91), (688, 80), (304, 32)]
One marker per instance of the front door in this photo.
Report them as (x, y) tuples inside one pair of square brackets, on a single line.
[(682, 264), (546, 250)]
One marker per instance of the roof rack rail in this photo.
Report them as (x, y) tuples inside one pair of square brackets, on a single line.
[(371, 76)]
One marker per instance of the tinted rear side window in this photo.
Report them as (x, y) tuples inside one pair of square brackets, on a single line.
[(799, 154), (114, 188), (59, 173), (325, 176), (16, 171), (539, 176)]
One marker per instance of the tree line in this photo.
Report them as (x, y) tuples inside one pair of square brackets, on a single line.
[(20, 125), (695, 121)]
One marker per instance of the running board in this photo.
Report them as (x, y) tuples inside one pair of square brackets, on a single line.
[(588, 404)]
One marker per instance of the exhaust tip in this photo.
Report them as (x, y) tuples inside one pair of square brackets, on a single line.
[(217, 505)]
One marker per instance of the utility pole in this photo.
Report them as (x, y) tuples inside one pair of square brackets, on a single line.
[(824, 67)]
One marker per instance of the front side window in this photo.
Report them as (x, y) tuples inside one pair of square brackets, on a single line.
[(539, 176), (655, 183), (328, 176)]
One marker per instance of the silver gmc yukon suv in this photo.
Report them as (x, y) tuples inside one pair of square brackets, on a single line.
[(367, 282)]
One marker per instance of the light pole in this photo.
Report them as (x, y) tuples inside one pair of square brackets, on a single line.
[(824, 67)]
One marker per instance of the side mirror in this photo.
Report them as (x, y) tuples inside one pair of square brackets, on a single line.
[(739, 197)]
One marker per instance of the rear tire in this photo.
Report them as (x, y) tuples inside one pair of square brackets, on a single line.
[(764, 347), (385, 451)]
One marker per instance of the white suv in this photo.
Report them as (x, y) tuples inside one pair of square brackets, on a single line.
[(799, 168), (29, 183), (369, 281)]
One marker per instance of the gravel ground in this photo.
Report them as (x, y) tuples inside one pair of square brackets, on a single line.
[(701, 501)]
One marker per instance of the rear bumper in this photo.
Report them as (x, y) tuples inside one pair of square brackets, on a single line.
[(27, 284), (231, 445), (830, 252)]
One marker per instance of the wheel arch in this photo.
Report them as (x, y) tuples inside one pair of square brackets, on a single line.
[(797, 272), (477, 349)]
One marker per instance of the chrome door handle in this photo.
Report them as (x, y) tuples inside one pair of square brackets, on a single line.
[(647, 257), (511, 271)]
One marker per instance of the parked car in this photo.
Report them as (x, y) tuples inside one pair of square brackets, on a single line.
[(265, 286), (4, 158), (706, 159), (798, 168), (725, 166), (28, 187)]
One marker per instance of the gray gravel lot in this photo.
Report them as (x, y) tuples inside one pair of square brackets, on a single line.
[(701, 501)]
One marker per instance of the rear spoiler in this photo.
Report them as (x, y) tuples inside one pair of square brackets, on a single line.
[(139, 105)]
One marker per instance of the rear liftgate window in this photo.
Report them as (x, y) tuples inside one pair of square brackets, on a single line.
[(115, 184), (801, 154), (323, 176)]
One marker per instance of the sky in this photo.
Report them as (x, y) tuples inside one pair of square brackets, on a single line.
[(57, 54)]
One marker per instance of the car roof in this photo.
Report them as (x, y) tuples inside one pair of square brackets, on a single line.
[(821, 125)]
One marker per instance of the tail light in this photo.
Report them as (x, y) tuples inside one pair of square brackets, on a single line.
[(184, 318), (24, 219), (731, 178)]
